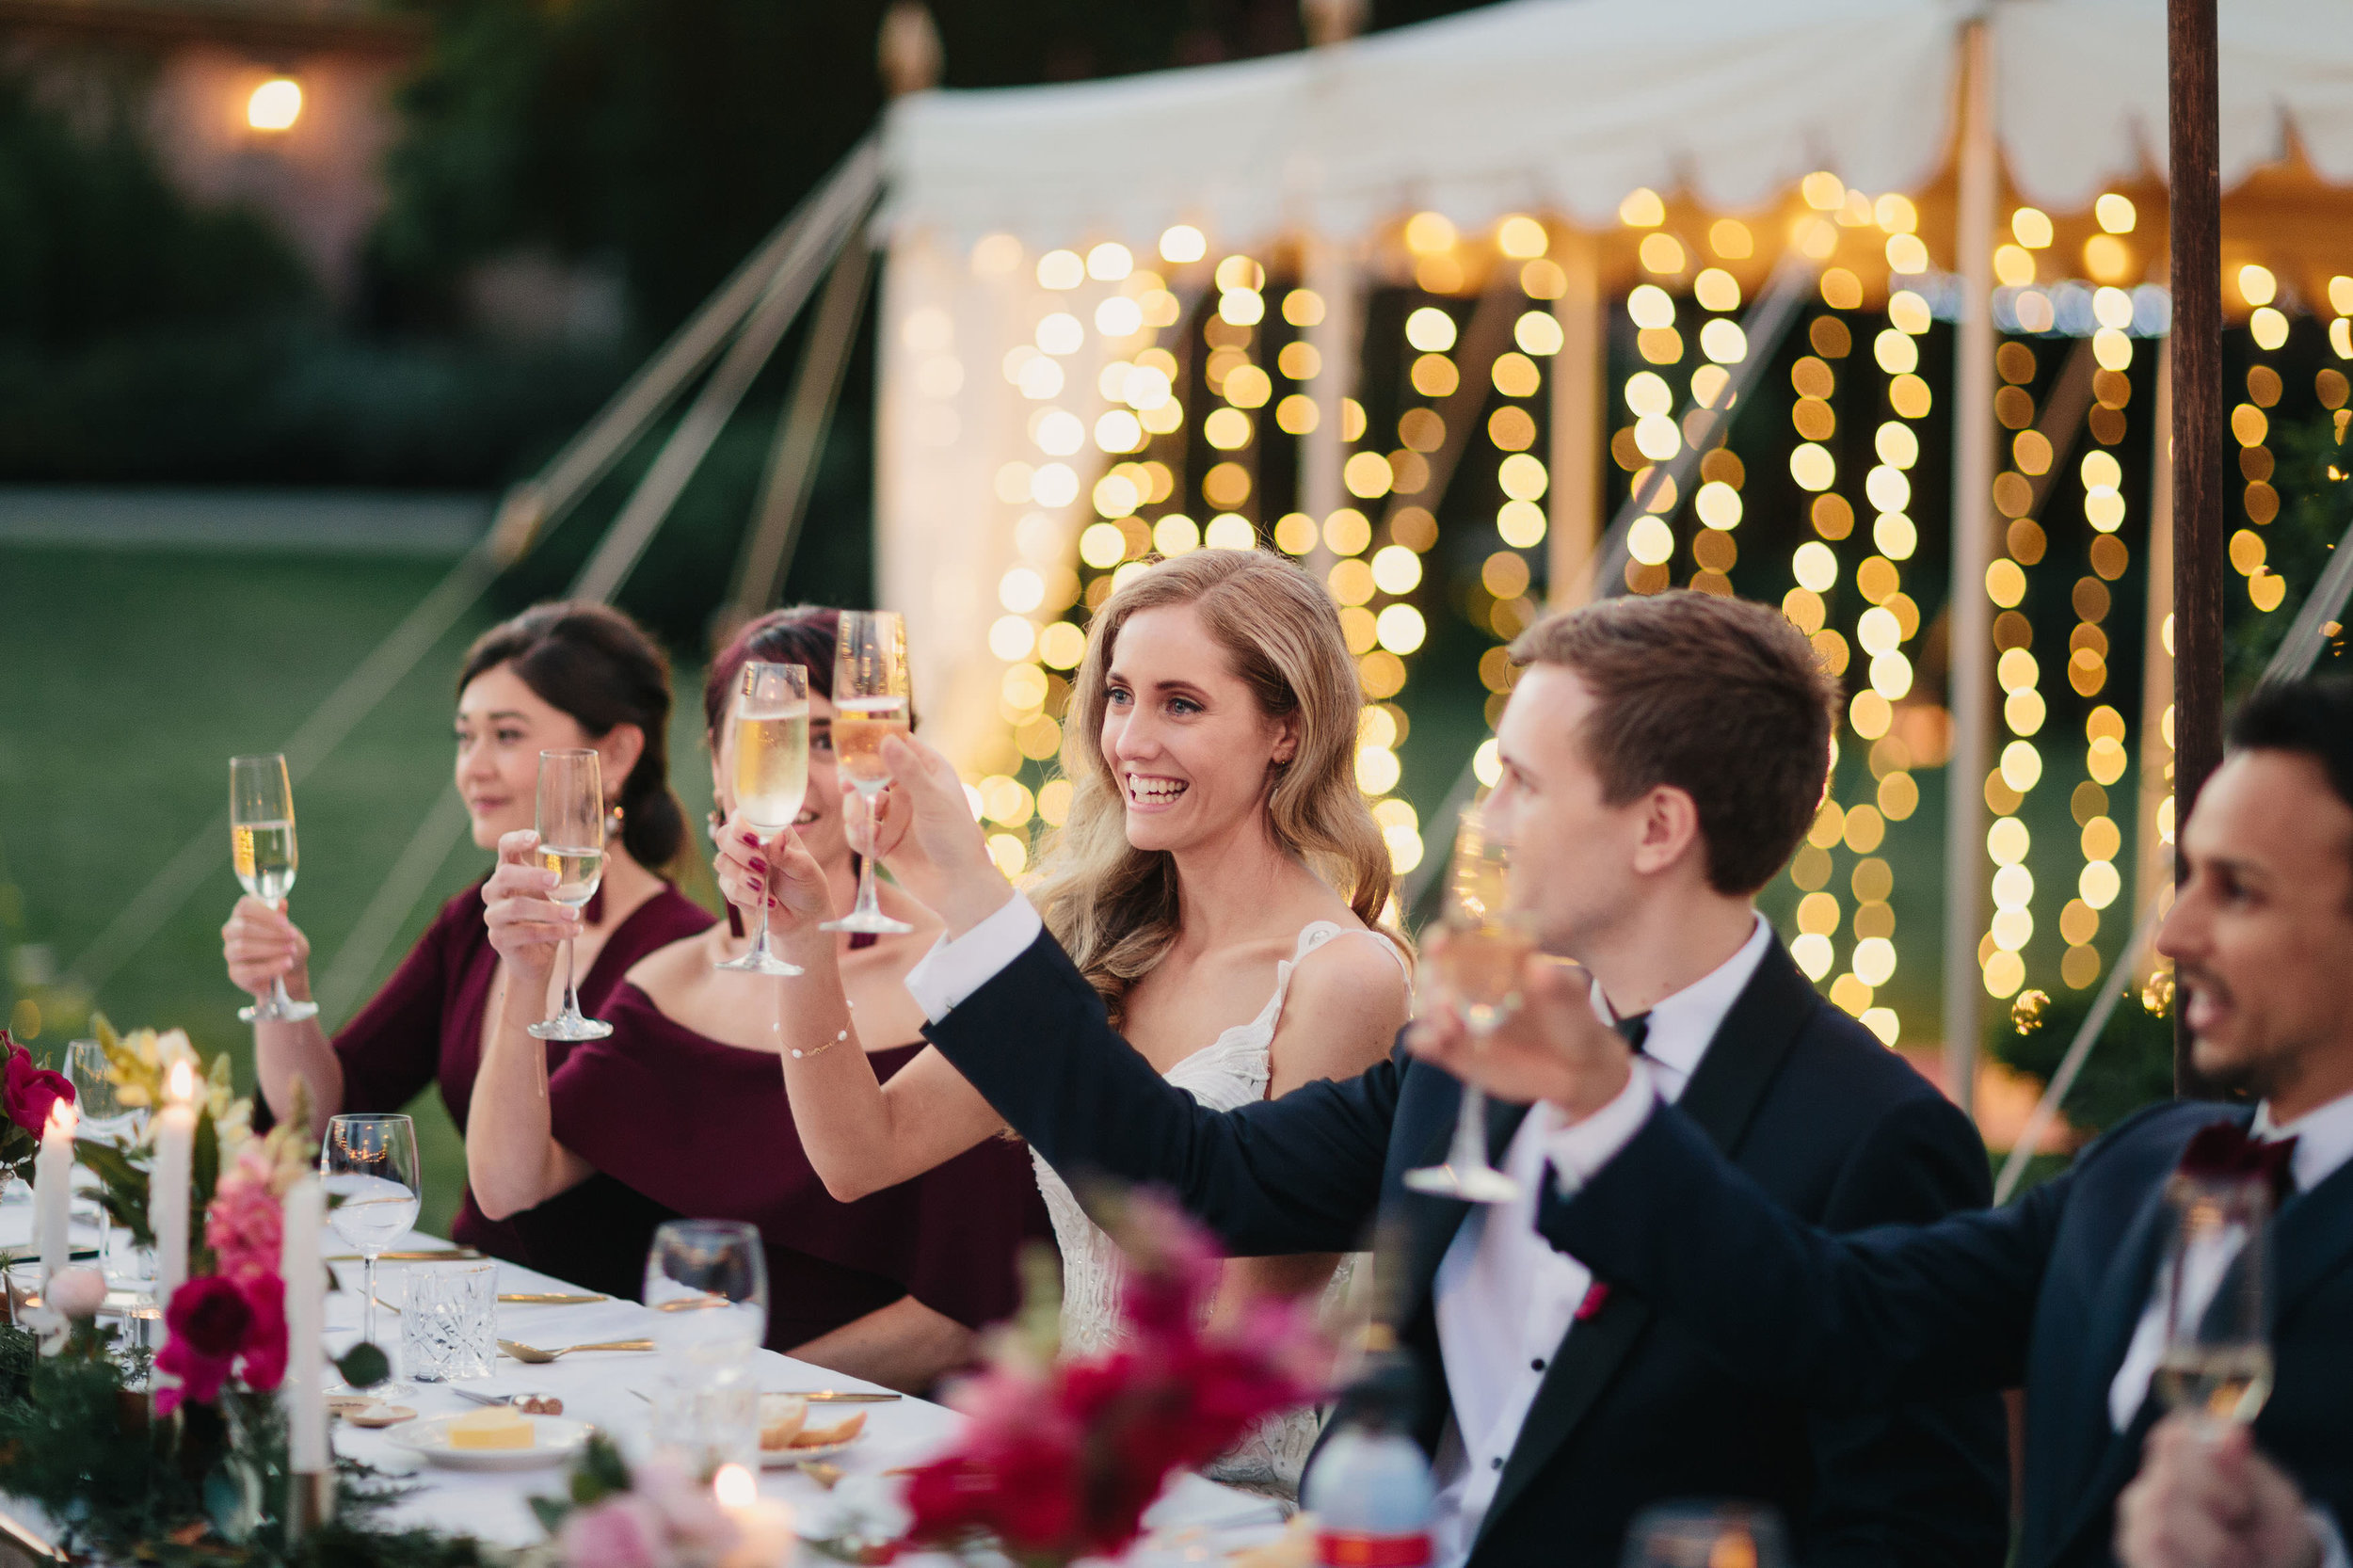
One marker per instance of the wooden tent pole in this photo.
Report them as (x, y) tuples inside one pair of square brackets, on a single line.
[(2194, 122), (1970, 617)]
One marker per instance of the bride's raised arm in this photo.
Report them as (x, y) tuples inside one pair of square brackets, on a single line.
[(861, 1135)]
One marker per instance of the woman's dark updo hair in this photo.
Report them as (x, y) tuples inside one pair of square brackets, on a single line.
[(804, 634), (597, 664)]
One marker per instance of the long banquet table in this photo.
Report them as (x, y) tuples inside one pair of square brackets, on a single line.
[(1195, 1521)]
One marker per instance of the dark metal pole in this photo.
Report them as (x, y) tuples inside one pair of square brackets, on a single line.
[(2195, 347)]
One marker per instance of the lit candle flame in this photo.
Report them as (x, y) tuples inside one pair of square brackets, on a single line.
[(734, 1487), (63, 1118), (180, 1083)]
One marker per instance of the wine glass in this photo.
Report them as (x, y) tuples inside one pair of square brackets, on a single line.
[(261, 845), (707, 1281), (870, 702), (2216, 1362), (368, 1165), (1704, 1535), (571, 845), (104, 1119), (766, 758), (1478, 972)]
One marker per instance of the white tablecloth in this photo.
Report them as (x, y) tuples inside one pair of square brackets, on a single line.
[(1195, 1520)]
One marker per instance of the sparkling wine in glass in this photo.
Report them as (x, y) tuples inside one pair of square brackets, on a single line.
[(571, 845), (262, 846), (869, 704), (2211, 1289), (1477, 971), (368, 1165), (1706, 1535), (767, 762)]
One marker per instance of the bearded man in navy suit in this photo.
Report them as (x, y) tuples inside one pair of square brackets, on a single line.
[(2057, 1289)]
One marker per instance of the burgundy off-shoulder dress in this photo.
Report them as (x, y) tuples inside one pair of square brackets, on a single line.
[(424, 1027), (705, 1128)]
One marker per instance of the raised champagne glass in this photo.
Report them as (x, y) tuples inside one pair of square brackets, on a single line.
[(2216, 1362), (1477, 971), (571, 845), (368, 1167), (765, 753), (869, 704), (261, 845)]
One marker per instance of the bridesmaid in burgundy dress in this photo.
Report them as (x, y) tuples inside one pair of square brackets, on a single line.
[(556, 676), (686, 1106)]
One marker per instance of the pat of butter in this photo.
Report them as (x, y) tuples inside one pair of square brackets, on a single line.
[(495, 1428)]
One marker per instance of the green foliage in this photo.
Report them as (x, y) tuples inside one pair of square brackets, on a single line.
[(2132, 1066), (193, 1489), (2316, 505), (363, 1365)]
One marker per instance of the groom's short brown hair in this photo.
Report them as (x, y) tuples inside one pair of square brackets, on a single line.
[(1722, 699)]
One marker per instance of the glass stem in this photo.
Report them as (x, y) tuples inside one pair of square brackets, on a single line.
[(571, 1009), (280, 999), (868, 903), (367, 1308), (1470, 1130), (759, 930)]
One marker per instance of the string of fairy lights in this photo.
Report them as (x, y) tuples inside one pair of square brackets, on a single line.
[(1255, 372)]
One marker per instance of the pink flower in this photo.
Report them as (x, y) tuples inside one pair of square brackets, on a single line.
[(244, 1223), (687, 1511), (620, 1533)]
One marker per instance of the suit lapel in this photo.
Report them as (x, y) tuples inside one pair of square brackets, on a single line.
[(2312, 1240), (1723, 1096)]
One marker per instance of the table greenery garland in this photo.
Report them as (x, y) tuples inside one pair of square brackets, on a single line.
[(191, 1468)]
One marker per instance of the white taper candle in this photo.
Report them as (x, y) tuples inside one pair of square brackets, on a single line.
[(167, 1181), (304, 1269), (53, 1191)]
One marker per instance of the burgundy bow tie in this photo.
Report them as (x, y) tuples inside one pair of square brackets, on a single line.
[(2224, 1150)]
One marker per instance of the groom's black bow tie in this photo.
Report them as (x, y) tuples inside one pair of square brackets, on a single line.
[(1636, 1030)]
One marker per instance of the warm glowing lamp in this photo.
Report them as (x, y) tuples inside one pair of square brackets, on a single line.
[(275, 106)]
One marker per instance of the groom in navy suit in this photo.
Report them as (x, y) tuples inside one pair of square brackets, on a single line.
[(1663, 757), (2057, 1289)]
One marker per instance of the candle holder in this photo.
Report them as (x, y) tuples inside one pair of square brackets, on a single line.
[(309, 1503)]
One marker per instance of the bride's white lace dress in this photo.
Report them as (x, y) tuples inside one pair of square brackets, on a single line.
[(1232, 1070)]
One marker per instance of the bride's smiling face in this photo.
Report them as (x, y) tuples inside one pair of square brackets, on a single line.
[(1187, 744)]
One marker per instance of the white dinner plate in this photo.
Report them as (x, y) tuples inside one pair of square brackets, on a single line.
[(554, 1439)]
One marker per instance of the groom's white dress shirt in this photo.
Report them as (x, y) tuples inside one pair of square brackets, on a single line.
[(1506, 1299)]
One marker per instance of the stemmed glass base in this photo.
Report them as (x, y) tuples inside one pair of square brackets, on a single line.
[(1467, 1176), (571, 1024), (867, 918), (279, 1007)]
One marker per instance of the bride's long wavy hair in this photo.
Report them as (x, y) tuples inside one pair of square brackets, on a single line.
[(1113, 906)]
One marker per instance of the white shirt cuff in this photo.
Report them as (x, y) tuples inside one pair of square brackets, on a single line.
[(1578, 1151), (2332, 1552), (954, 969)]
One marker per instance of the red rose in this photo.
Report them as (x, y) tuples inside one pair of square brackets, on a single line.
[(30, 1092), (263, 1348), (207, 1322)]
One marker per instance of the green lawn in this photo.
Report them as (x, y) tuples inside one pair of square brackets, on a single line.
[(126, 682)]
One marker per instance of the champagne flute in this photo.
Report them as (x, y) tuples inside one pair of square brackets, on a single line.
[(368, 1165), (261, 845), (104, 1119), (869, 703), (2216, 1362), (571, 845), (766, 756), (1478, 969)]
